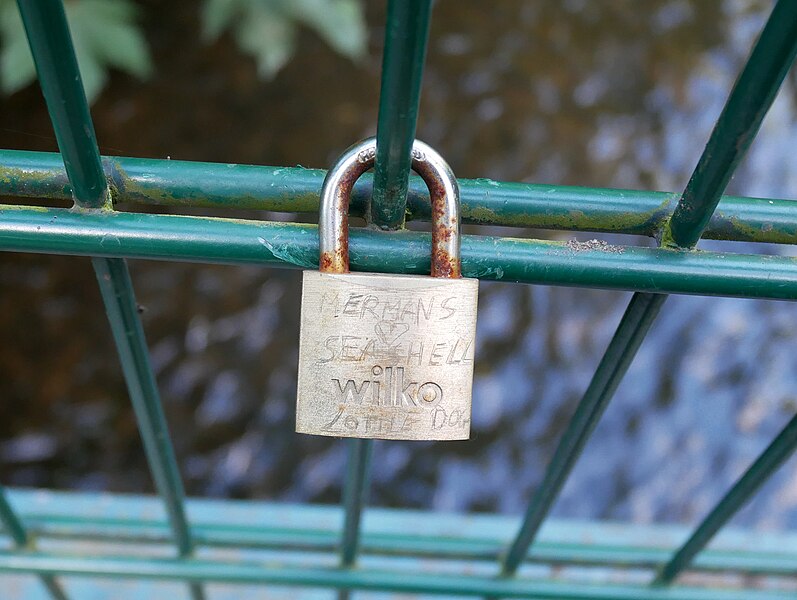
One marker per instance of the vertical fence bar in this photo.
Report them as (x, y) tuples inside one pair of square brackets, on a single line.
[(59, 77), (51, 45), (739, 122), (748, 484), (406, 35), (19, 535), (354, 496)]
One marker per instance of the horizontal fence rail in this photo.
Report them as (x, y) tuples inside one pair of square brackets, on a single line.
[(21, 539), (296, 545), (230, 241), (75, 517), (160, 182)]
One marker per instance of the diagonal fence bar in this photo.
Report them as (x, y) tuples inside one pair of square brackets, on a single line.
[(635, 323), (781, 448), (19, 535), (406, 35), (59, 76), (736, 127)]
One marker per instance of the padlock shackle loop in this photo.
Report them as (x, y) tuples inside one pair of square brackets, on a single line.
[(333, 222)]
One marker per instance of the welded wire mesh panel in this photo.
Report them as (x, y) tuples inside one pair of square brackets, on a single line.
[(84, 545)]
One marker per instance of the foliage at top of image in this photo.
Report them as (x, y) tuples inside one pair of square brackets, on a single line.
[(107, 35), (266, 29)]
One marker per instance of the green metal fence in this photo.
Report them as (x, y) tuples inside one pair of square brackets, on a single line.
[(59, 537)]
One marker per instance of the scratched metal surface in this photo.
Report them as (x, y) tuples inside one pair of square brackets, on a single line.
[(386, 356)]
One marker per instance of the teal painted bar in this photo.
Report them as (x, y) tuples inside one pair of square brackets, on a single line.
[(781, 448), (73, 517), (230, 241), (48, 36), (144, 181), (56, 64), (406, 581), (13, 527), (403, 57), (737, 126), (11, 522)]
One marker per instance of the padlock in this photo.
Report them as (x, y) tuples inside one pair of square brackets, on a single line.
[(387, 356)]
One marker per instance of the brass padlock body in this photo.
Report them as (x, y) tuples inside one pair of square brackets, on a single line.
[(386, 356)]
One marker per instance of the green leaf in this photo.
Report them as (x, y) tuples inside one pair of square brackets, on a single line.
[(269, 37), (111, 36), (218, 15), (105, 34), (92, 71), (340, 23), (266, 29), (16, 63)]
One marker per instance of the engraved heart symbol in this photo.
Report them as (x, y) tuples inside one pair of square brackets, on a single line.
[(389, 332)]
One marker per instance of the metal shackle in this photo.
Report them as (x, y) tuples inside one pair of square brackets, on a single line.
[(333, 221)]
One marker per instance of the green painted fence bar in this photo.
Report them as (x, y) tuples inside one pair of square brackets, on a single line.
[(601, 549), (59, 77), (407, 582), (51, 46), (230, 241), (641, 311), (741, 118), (354, 496), (116, 287), (144, 181), (737, 126), (781, 448), (136, 520), (406, 36), (13, 527)]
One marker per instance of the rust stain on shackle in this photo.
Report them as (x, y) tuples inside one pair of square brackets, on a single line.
[(443, 192)]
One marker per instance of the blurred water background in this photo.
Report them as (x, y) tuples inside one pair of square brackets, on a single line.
[(615, 94)]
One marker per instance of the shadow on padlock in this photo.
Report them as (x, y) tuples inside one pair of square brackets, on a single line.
[(387, 356)]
